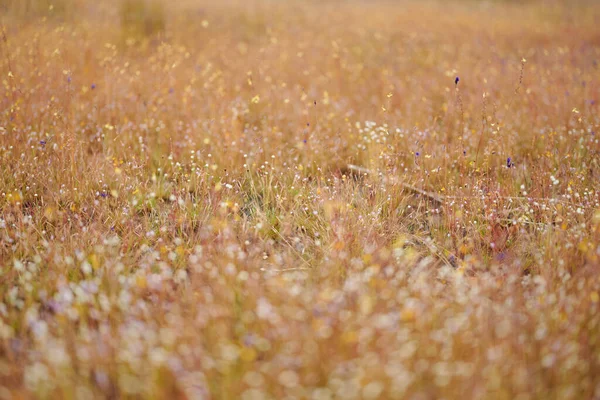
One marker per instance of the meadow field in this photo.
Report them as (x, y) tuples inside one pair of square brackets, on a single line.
[(299, 199)]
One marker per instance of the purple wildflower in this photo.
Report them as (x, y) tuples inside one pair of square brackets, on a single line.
[(452, 261)]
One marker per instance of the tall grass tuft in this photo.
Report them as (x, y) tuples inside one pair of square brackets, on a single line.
[(142, 18), (31, 9)]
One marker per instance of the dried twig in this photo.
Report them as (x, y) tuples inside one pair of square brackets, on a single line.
[(432, 196), (440, 199)]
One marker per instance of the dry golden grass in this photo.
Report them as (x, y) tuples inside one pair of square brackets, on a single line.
[(279, 200)]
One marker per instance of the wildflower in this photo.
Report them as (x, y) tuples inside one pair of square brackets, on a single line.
[(417, 154), (93, 86), (288, 378), (249, 340), (456, 80), (509, 162), (42, 143), (452, 261)]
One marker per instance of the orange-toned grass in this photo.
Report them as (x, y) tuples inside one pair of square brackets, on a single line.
[(296, 200)]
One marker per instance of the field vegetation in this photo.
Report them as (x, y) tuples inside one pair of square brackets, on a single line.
[(299, 199)]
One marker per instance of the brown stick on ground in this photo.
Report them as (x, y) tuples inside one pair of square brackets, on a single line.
[(432, 196)]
